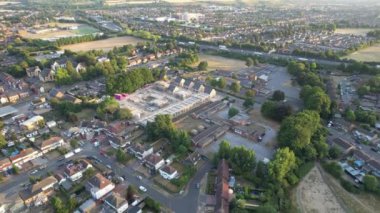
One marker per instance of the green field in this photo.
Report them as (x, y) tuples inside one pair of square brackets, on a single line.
[(370, 54), (353, 31), (221, 63)]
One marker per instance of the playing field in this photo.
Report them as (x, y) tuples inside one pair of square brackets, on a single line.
[(221, 63), (367, 54), (106, 44), (83, 29), (353, 31)]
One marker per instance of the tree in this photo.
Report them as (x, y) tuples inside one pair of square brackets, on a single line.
[(283, 163), (74, 143), (235, 87), (202, 65), (266, 208), (222, 83), (152, 205), (121, 157), (89, 173), (316, 99), (15, 169), (232, 112), (278, 95), (249, 93), (350, 115), (249, 62), (72, 204), (276, 110), (370, 183), (58, 205), (334, 152), (3, 142), (124, 114), (131, 192), (248, 102)]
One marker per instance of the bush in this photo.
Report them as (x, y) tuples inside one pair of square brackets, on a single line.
[(349, 186), (333, 168), (232, 112), (304, 169)]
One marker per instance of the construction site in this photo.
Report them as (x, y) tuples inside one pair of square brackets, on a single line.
[(161, 97)]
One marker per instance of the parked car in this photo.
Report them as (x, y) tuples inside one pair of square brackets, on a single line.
[(143, 189)]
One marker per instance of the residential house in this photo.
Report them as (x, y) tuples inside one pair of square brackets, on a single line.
[(99, 186), (116, 128), (188, 84), (3, 99), (172, 88), (88, 206), (192, 159), (32, 123), (5, 164), (198, 87), (179, 82), (140, 151), (375, 167), (80, 67), (222, 196), (25, 156), (210, 91), (13, 97), (359, 155), (23, 94), (116, 142), (47, 75), (39, 192), (154, 162), (33, 72), (72, 99), (116, 202), (74, 171), (50, 144), (55, 93), (2, 90), (168, 172)]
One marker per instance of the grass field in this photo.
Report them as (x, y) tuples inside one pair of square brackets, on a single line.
[(221, 63), (83, 29), (354, 31), (367, 54), (106, 44)]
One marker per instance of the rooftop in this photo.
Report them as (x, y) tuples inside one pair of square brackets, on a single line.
[(7, 110)]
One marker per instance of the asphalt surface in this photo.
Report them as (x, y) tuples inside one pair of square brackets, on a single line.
[(272, 55)]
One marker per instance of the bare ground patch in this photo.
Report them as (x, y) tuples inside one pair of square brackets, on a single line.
[(314, 195)]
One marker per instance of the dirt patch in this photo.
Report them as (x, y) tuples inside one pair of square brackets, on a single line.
[(106, 44), (314, 195), (222, 63)]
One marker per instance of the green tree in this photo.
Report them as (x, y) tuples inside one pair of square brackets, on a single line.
[(249, 93), (121, 157), (278, 95), (58, 205), (283, 163), (89, 173), (15, 169), (350, 115), (370, 183), (248, 102), (316, 99), (74, 143), (249, 62), (124, 114), (266, 208), (235, 87), (202, 65), (72, 204), (222, 83), (232, 112), (334, 152), (131, 192)]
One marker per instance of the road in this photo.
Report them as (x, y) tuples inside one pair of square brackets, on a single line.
[(186, 202), (272, 55)]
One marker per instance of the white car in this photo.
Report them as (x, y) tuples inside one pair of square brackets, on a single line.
[(34, 172), (143, 189)]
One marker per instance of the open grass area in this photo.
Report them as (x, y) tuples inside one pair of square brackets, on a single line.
[(105, 45), (370, 54), (222, 63), (83, 29), (353, 31)]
